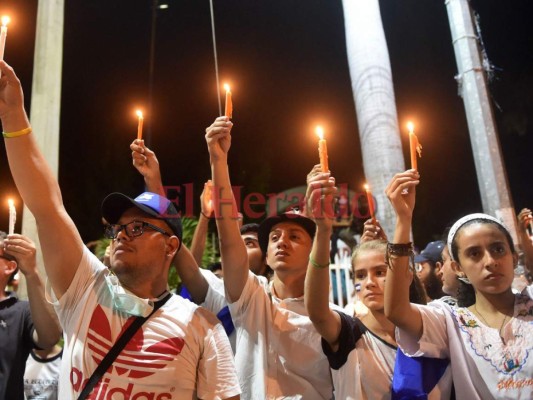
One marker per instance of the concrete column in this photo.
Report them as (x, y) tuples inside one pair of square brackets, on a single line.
[(46, 97), (370, 71)]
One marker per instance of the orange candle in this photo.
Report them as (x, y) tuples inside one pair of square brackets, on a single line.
[(12, 216), (322, 149), (140, 125), (229, 103), (370, 201), (414, 146)]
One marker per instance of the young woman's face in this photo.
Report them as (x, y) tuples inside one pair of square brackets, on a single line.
[(370, 271), (486, 257)]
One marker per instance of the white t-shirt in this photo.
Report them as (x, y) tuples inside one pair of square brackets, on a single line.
[(278, 355), (41, 377), (363, 365), (215, 299), (181, 352), (483, 367)]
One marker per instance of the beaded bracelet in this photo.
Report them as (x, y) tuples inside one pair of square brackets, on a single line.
[(400, 250), (317, 265), (22, 132)]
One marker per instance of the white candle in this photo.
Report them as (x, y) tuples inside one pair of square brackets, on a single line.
[(3, 35), (12, 216)]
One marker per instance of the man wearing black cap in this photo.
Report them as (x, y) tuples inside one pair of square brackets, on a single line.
[(427, 265), (181, 351), (278, 351)]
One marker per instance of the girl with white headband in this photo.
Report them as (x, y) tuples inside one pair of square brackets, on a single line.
[(488, 338)]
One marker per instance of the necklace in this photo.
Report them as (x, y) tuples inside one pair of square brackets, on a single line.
[(486, 323)]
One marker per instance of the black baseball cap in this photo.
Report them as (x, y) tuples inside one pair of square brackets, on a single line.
[(266, 226)]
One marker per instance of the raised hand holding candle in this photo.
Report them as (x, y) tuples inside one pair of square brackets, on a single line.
[(414, 145), (322, 149), (3, 35), (370, 201), (228, 112), (12, 216), (140, 124)]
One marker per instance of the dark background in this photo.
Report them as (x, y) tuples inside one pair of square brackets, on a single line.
[(286, 61)]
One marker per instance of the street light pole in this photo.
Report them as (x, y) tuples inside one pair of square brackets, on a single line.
[(155, 4)]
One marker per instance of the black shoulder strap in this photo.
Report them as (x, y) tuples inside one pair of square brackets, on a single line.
[(117, 348)]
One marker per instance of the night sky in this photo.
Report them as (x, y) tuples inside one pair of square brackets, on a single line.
[(286, 62)]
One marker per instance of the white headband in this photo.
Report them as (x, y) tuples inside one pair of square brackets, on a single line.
[(467, 218)]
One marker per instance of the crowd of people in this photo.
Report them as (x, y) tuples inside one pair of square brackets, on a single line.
[(448, 323)]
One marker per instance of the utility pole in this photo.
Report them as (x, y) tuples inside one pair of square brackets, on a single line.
[(492, 178)]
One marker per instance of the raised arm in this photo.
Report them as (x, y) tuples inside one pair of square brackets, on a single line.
[(232, 248), (320, 190), (200, 233), (60, 241), (524, 219), (145, 161), (191, 275), (372, 230), (401, 193), (47, 328)]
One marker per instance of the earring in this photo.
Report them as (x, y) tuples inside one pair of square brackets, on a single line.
[(464, 279)]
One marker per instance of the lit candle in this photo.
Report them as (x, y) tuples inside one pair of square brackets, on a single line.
[(229, 103), (322, 149), (414, 146), (12, 216), (370, 201), (3, 35), (140, 124)]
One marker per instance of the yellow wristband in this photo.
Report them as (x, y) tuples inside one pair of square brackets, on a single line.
[(22, 132), (317, 265)]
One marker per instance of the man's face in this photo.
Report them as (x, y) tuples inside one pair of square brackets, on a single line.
[(423, 270), (432, 283), (289, 246), (142, 254), (255, 255)]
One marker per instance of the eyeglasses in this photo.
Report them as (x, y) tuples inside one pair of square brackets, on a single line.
[(132, 229)]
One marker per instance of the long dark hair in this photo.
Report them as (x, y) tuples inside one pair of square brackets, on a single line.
[(466, 294)]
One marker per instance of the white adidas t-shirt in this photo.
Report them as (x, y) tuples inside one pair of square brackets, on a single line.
[(181, 352), (483, 367), (279, 355)]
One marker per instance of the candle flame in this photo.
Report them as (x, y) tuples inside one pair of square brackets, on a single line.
[(320, 132), (410, 127), (226, 87), (5, 20), (11, 202), (139, 113), (367, 188)]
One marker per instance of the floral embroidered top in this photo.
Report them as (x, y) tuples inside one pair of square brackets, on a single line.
[(483, 365)]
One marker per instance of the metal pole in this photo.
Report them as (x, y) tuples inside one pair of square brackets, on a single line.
[(150, 118), (491, 174)]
